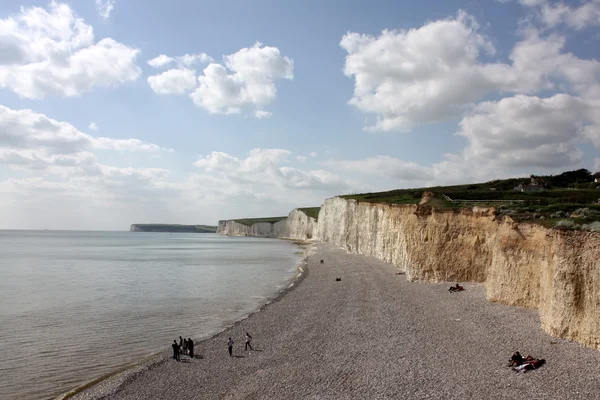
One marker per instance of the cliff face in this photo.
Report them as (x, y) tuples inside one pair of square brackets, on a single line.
[(296, 226), (232, 228), (556, 271)]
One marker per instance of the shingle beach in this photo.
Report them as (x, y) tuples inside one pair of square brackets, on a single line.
[(372, 335)]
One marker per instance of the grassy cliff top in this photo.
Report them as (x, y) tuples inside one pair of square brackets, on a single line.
[(251, 221), (568, 200), (312, 212)]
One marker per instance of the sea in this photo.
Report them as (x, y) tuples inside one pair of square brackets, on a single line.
[(77, 305)]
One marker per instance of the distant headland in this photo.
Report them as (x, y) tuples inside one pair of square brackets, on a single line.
[(173, 228)]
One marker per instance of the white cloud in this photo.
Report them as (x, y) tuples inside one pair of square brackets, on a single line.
[(417, 76), (105, 7), (173, 81), (93, 127), (160, 61), (587, 14), (526, 131), (301, 158), (29, 138), (434, 73), (577, 17), (260, 114), (514, 136), (597, 164), (185, 61), (53, 52), (313, 154), (263, 168), (247, 80), (189, 60)]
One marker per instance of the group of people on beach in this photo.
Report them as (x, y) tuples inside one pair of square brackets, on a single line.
[(185, 346)]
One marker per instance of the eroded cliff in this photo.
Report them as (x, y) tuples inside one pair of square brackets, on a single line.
[(556, 271), (297, 225)]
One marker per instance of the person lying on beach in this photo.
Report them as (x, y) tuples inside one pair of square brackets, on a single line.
[(516, 359), (456, 288), (529, 363)]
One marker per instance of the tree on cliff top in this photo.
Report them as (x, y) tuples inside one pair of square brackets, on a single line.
[(570, 178)]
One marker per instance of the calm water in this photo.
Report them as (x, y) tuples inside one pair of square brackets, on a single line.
[(76, 305)]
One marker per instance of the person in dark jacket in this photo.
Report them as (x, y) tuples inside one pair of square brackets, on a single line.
[(191, 347), (175, 347), (230, 347)]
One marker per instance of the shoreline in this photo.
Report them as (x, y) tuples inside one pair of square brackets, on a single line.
[(373, 334), (111, 381)]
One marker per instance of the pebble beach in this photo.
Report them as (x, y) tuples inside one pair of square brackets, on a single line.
[(370, 335)]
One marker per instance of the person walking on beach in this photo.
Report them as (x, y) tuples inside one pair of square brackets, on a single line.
[(230, 346), (175, 347), (190, 347), (248, 339)]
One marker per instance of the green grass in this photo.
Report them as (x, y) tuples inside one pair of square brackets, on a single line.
[(536, 207), (252, 221), (312, 212)]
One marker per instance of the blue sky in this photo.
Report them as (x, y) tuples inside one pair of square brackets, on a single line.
[(282, 104)]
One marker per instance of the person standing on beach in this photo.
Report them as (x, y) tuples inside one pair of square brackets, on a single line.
[(185, 346), (180, 343), (175, 347), (248, 339), (230, 346), (190, 347)]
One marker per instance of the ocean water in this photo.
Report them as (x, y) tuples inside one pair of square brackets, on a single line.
[(77, 305)]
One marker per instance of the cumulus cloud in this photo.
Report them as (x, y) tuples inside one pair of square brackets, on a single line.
[(187, 60), (264, 167), (29, 139), (160, 61), (93, 127), (527, 131), (436, 72), (553, 13), (105, 7), (246, 80), (417, 76), (52, 51), (181, 79), (173, 81)]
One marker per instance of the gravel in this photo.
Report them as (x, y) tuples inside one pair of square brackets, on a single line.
[(372, 335)]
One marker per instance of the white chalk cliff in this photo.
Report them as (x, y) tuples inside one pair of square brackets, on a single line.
[(555, 271)]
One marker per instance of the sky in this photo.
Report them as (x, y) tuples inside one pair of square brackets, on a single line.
[(114, 112)]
